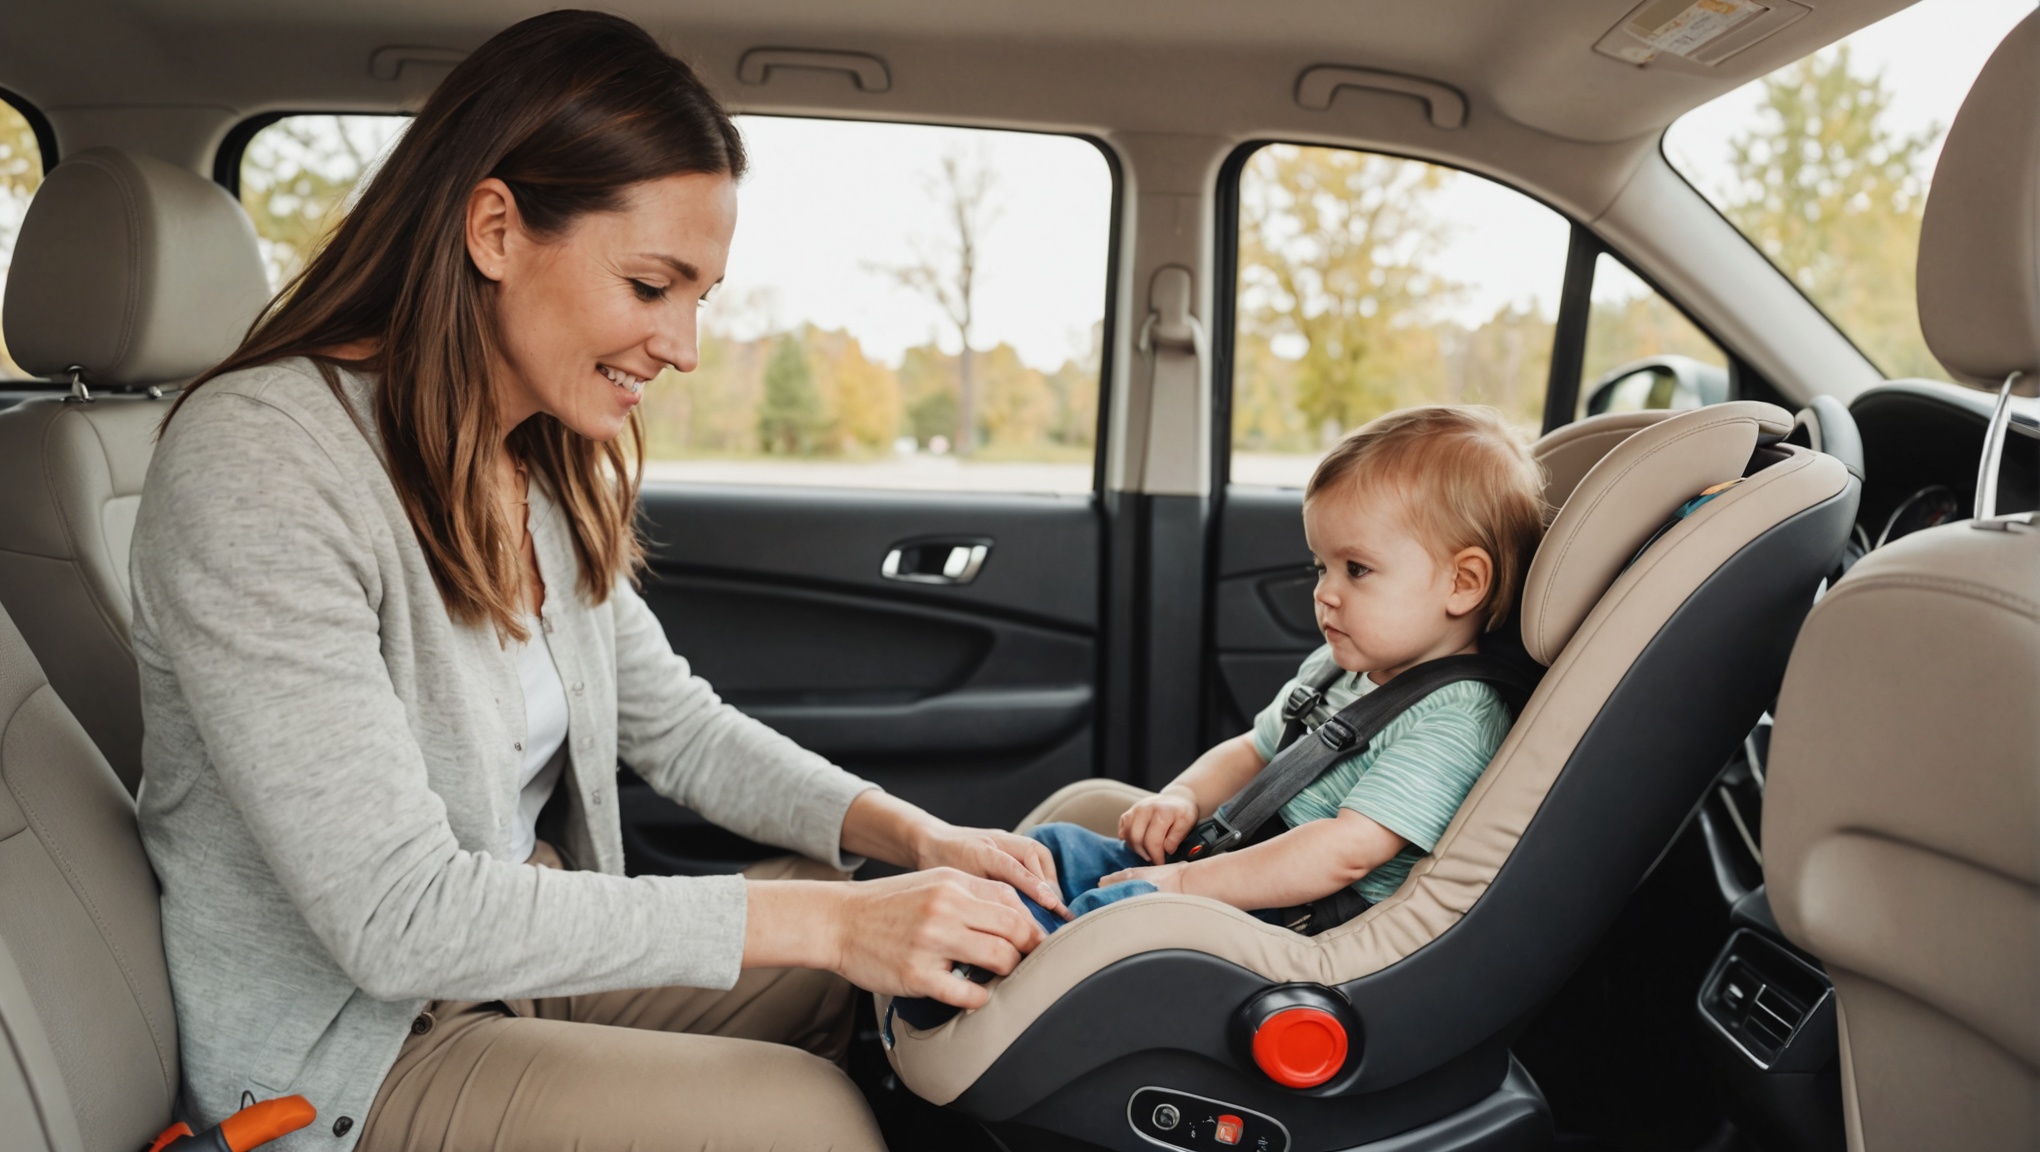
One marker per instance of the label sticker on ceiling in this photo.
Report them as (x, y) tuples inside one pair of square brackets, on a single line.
[(1688, 31)]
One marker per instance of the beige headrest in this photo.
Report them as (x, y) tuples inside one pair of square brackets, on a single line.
[(137, 270), (1979, 271), (1623, 499)]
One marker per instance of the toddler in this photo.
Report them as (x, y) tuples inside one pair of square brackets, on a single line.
[(1422, 525)]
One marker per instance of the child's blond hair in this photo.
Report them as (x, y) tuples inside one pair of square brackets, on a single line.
[(1465, 479)]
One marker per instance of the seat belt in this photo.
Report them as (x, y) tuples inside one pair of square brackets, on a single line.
[(1348, 733)]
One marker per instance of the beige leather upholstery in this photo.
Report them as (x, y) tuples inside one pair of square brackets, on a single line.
[(1566, 454), (138, 271), (141, 274), (941, 1062), (90, 1059), (73, 478), (1622, 500), (1979, 271), (1902, 833)]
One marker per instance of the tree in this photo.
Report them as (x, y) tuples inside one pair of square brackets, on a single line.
[(948, 275), (1833, 196), (20, 176), (300, 173), (1334, 247), (790, 419)]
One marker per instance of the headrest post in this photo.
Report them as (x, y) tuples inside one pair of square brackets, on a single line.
[(79, 392), (1994, 451)]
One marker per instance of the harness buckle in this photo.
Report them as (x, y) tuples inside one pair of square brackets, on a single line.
[(1212, 836), (1336, 734), (1303, 700)]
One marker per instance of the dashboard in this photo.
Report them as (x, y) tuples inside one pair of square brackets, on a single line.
[(1922, 440)]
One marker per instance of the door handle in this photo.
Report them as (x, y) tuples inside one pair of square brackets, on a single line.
[(936, 561)]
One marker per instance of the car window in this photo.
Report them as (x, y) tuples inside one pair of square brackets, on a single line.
[(906, 306), (1642, 352), (21, 172), (1369, 283), (1825, 164)]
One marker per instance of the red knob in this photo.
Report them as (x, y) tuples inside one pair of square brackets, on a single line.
[(1300, 1047)]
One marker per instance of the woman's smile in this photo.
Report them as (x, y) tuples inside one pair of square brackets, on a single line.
[(633, 387)]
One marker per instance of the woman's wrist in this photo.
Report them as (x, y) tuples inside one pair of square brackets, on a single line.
[(887, 828), (796, 924)]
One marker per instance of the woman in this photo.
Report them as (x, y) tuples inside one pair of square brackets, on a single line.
[(388, 632)]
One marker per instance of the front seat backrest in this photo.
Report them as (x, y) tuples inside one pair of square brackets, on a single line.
[(1902, 816), (88, 1039), (129, 273)]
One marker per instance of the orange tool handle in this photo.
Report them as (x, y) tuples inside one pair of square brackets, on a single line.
[(258, 1124)]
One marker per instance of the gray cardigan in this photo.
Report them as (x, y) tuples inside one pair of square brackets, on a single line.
[(331, 765)]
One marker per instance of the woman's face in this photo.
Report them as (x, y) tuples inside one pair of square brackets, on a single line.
[(585, 319)]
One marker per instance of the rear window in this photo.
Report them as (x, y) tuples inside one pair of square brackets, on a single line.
[(1826, 163), (21, 172)]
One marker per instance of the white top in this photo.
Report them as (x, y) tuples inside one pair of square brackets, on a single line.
[(545, 737)]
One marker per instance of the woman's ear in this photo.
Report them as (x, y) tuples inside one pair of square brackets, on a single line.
[(491, 216), (1473, 573)]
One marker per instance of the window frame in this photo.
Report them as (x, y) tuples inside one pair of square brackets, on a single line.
[(233, 149), (39, 124), (1569, 328)]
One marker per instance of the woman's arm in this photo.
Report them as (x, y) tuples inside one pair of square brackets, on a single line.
[(890, 829), (1299, 866)]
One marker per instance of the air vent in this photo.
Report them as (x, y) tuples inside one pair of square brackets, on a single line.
[(1762, 998)]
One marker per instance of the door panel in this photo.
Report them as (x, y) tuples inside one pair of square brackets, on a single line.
[(1263, 622), (974, 700)]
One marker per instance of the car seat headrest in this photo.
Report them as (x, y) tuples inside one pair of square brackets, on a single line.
[(1626, 497), (137, 271), (1979, 270)]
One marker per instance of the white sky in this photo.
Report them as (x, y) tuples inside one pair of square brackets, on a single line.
[(828, 205)]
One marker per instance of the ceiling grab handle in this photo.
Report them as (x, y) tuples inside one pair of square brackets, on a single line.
[(869, 72), (1316, 87), (1993, 453)]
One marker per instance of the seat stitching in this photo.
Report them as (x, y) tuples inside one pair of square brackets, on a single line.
[(99, 919), (1601, 497)]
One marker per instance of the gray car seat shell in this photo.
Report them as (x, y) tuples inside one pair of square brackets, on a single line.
[(1658, 667)]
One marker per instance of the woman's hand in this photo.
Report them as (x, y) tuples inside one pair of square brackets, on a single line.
[(1025, 864), (1154, 826), (1165, 877), (899, 935)]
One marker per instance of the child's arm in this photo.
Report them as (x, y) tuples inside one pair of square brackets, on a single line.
[(1299, 866), (1153, 827)]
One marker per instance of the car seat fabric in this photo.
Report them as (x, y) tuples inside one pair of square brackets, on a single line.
[(1568, 453), (136, 273), (91, 1058), (1589, 630)]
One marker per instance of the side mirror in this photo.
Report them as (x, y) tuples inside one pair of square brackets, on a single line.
[(1675, 382)]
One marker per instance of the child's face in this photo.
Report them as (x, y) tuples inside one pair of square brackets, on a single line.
[(1385, 601)]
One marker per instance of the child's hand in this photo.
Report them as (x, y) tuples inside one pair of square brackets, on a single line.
[(1165, 877), (1153, 827)]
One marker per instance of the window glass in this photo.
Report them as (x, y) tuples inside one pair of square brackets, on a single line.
[(905, 306), (1825, 163), (21, 172), (1642, 352), (1369, 283)]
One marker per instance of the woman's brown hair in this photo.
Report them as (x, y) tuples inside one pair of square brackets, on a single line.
[(569, 109)]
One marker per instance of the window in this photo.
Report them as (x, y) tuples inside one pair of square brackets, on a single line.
[(1825, 163), (1642, 352), (906, 306), (1369, 283), (21, 172)]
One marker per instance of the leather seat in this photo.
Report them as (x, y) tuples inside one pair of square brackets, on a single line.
[(1902, 815), (1662, 651), (130, 275), (88, 1035)]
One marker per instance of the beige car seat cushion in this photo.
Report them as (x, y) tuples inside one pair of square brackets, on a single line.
[(1566, 454), (1622, 500), (137, 270), (940, 1063), (1979, 269)]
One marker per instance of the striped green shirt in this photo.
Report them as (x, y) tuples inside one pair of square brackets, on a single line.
[(1412, 777)]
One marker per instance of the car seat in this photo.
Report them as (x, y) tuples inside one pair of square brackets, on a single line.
[(129, 275), (88, 1034), (1147, 1023), (1902, 815)]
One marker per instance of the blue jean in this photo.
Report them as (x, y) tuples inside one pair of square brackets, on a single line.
[(1082, 858)]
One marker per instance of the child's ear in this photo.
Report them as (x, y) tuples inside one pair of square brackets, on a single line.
[(1473, 573)]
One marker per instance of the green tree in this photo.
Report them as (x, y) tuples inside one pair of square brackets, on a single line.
[(300, 173), (1833, 196), (790, 418), (1334, 254), (928, 386), (20, 176)]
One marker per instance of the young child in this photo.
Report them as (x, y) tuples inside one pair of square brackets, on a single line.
[(1422, 523)]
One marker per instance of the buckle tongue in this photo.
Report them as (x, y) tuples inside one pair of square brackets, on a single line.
[(1336, 734), (1303, 700)]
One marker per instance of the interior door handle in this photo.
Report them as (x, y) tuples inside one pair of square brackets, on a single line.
[(944, 561)]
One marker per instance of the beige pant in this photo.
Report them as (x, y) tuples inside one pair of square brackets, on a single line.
[(645, 1069)]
